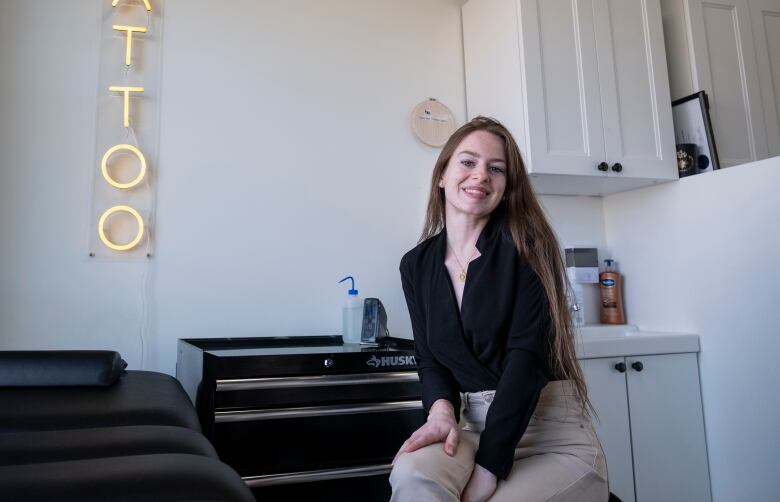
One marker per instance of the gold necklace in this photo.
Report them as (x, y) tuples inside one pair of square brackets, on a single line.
[(462, 275)]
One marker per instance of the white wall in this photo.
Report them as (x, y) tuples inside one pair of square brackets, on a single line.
[(305, 168), (699, 256), (286, 162), (579, 222)]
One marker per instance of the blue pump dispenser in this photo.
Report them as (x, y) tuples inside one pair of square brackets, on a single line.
[(353, 291)]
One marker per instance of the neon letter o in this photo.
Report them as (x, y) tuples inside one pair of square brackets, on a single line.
[(112, 181), (129, 245)]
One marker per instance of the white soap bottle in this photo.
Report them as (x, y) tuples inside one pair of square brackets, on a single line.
[(351, 314)]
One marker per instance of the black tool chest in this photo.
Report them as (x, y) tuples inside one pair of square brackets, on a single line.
[(304, 418)]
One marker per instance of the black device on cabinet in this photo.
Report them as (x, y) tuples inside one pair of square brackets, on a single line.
[(374, 321)]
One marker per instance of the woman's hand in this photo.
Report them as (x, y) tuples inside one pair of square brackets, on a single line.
[(481, 485), (441, 426)]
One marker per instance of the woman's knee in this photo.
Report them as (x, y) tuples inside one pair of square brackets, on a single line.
[(403, 467), (430, 470), (418, 463)]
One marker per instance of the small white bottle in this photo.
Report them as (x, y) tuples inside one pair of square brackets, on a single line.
[(351, 314)]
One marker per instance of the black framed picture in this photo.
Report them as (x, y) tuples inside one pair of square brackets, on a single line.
[(696, 150)]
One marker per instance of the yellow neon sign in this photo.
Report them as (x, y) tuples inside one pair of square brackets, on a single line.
[(130, 30), (141, 172), (126, 148), (126, 90), (132, 243), (114, 3)]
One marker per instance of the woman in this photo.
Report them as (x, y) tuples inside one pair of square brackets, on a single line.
[(486, 295)]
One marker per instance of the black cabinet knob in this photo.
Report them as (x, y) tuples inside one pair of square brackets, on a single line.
[(603, 166), (621, 367), (637, 365), (617, 167)]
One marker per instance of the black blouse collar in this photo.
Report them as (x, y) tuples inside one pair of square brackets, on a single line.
[(486, 236)]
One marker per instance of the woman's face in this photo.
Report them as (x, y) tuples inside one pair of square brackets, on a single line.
[(475, 177)]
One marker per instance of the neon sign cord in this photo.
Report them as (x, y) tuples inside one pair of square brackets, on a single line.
[(144, 314)]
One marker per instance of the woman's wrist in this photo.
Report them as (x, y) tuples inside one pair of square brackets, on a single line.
[(485, 471), (442, 407)]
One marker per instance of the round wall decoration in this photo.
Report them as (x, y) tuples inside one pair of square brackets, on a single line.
[(432, 122)]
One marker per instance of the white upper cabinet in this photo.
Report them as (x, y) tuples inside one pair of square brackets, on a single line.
[(765, 15), (731, 50), (564, 122), (635, 98), (725, 67), (582, 85)]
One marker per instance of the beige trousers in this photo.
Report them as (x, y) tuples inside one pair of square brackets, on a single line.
[(559, 458)]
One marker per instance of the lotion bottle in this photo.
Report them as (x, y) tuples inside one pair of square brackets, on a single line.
[(611, 288), (351, 314)]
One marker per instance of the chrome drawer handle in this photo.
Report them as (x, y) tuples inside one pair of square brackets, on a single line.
[(314, 411), (322, 475), (315, 381)]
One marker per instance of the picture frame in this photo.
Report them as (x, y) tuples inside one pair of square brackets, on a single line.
[(692, 126)]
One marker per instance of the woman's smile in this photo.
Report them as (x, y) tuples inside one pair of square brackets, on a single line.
[(476, 192)]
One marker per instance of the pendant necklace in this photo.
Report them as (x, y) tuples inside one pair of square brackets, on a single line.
[(462, 275)]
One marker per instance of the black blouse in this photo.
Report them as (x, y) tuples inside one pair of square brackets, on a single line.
[(499, 340)]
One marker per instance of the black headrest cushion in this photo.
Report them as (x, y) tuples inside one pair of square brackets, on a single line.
[(36, 368)]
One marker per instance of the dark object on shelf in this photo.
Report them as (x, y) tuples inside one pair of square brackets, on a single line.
[(136, 439), (687, 159), (692, 126), (305, 419)]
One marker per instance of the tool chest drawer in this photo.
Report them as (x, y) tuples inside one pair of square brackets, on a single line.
[(304, 417), (325, 437)]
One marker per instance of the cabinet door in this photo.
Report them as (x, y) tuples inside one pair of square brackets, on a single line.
[(725, 67), (559, 70), (765, 15), (637, 108), (667, 429), (607, 393)]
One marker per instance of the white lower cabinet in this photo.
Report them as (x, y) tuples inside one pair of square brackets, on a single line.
[(651, 426)]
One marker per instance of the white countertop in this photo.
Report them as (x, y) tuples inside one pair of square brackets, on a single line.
[(601, 340)]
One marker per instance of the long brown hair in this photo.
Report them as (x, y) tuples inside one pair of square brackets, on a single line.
[(533, 237)]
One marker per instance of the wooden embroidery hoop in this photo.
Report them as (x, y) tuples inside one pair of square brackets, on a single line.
[(432, 122)]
